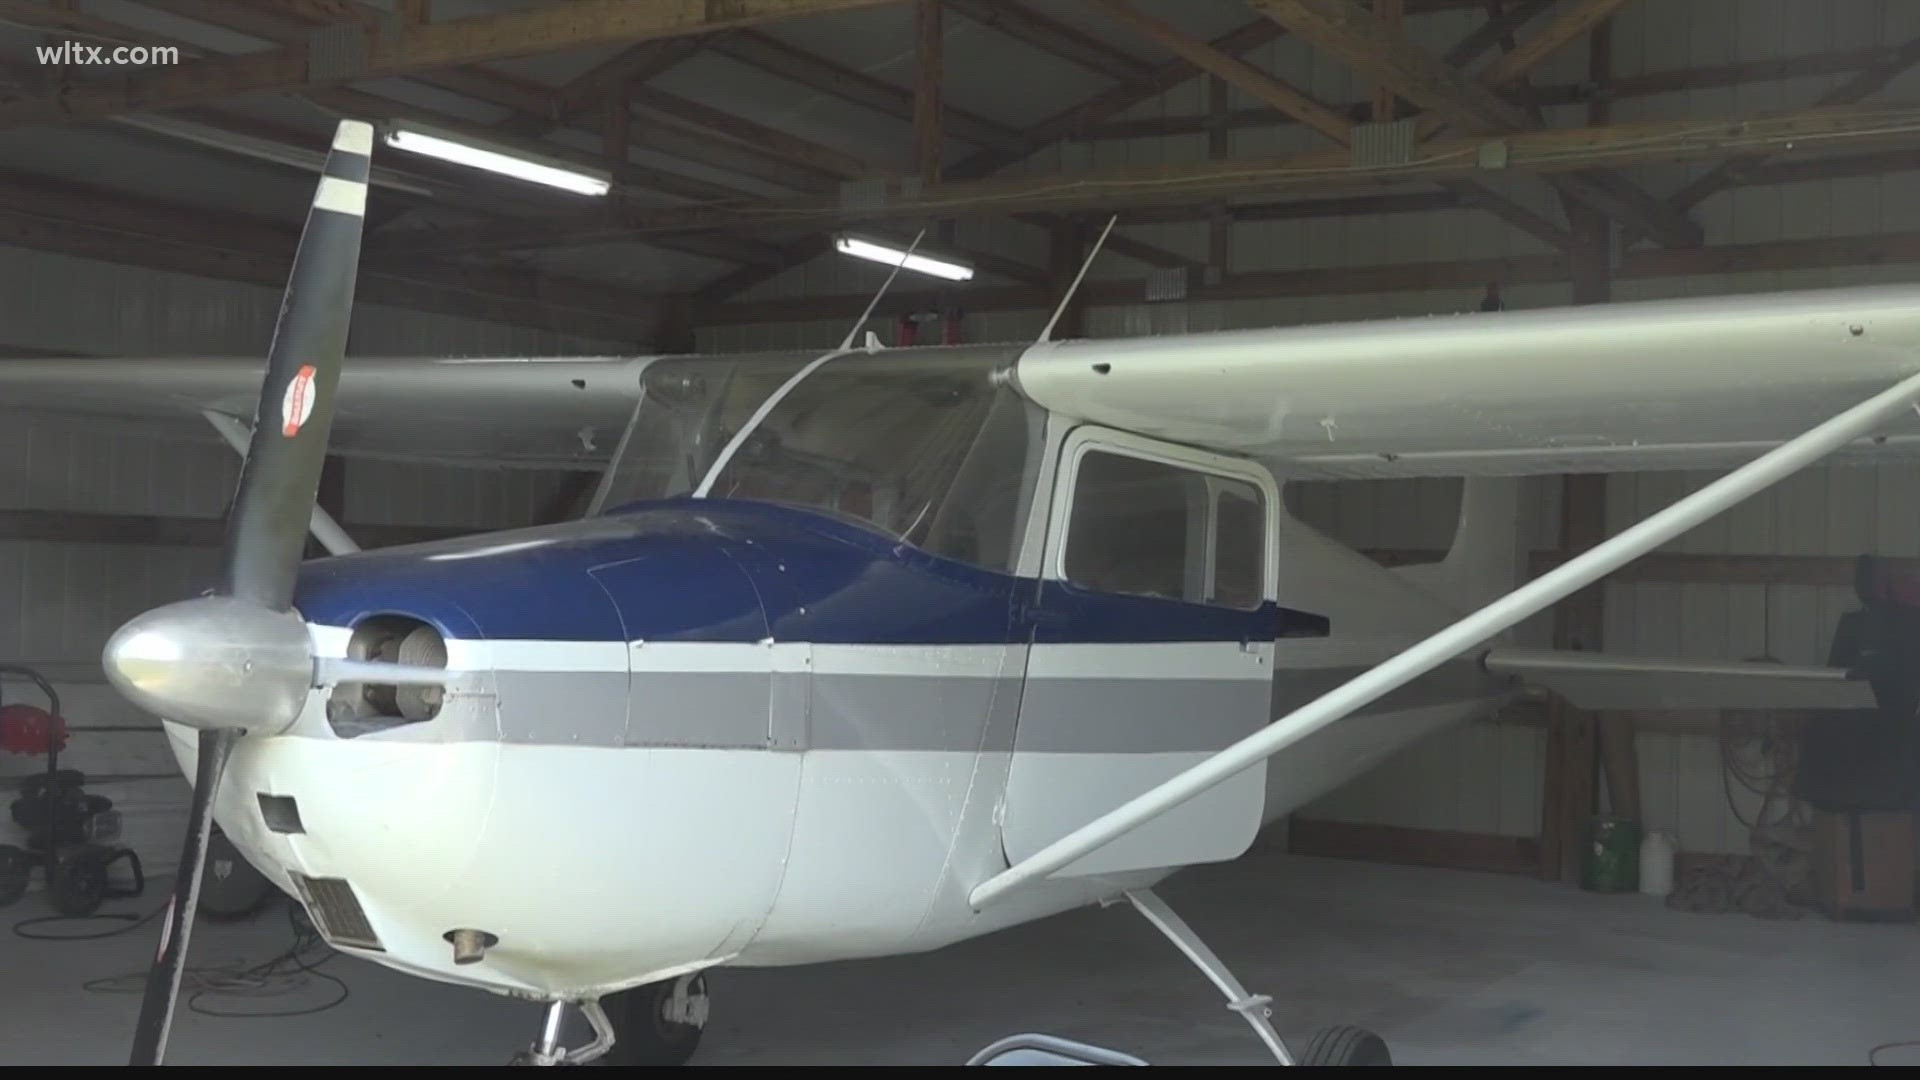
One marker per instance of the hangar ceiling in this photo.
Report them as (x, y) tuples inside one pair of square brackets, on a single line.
[(741, 135)]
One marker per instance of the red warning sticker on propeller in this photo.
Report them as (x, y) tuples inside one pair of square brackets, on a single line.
[(298, 404)]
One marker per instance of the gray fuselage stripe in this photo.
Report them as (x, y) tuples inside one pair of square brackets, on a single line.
[(911, 713)]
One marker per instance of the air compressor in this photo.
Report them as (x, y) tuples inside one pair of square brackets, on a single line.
[(67, 828)]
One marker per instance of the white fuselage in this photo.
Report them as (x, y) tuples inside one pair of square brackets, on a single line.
[(600, 867)]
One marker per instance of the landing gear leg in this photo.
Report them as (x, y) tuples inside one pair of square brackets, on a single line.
[(1252, 1008), (548, 1051)]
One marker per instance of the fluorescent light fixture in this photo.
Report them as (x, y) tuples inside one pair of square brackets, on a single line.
[(461, 150), (881, 251)]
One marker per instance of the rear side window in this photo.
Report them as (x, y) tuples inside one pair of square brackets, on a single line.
[(1149, 528)]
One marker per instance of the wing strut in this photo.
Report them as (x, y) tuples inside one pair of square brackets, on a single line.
[(1577, 573), (320, 524)]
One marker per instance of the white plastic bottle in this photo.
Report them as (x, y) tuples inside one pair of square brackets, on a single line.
[(1657, 852)]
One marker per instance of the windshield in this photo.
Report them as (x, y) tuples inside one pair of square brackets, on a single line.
[(926, 448)]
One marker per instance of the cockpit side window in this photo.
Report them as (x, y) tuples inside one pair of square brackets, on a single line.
[(1150, 528)]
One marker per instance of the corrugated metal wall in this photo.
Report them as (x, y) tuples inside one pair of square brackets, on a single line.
[(60, 600)]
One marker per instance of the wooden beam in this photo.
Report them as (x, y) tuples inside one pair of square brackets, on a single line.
[(1413, 847), (330, 12), (796, 65), (1576, 20), (1069, 122), (1020, 22), (1568, 792), (615, 143), (1381, 107), (1874, 249), (629, 67), (1219, 148), (1518, 59), (1251, 80), (1548, 152), (752, 136), (1387, 56), (1496, 32), (1619, 88), (523, 32), (1292, 102), (929, 145), (1861, 86)]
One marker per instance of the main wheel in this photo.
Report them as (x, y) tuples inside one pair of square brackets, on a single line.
[(1346, 1045), (657, 1024)]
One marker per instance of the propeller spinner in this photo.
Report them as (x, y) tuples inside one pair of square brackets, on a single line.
[(239, 661)]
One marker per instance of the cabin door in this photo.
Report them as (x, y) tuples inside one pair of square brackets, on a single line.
[(1152, 631)]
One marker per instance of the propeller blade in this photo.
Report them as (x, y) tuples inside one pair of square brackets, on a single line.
[(241, 659), (267, 528), (163, 981)]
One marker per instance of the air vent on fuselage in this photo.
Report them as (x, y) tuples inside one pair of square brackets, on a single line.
[(359, 708), (336, 912)]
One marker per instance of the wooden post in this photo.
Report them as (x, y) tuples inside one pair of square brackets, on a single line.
[(1389, 12), (1063, 261), (928, 143), (1219, 132), (619, 122)]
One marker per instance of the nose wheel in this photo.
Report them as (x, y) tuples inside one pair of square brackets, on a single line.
[(656, 1024)]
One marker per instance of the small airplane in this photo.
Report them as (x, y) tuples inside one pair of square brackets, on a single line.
[(869, 652)]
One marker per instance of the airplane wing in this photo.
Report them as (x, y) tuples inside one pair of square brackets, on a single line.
[(516, 411), (1676, 384), (1681, 384), (1601, 681)]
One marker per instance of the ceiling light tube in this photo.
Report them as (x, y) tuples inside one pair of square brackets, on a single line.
[(419, 139), (880, 251)]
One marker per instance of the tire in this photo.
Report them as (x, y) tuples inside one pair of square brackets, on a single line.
[(642, 1032), (79, 883), (1346, 1045)]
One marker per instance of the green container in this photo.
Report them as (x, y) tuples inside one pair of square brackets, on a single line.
[(1612, 858)]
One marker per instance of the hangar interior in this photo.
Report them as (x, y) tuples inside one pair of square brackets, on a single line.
[(1252, 156)]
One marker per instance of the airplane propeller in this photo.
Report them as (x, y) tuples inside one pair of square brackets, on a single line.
[(238, 661)]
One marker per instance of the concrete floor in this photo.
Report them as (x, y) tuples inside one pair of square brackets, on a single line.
[(1452, 968)]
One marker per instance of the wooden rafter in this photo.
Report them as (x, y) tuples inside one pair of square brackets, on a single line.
[(546, 28), (1864, 84), (796, 65), (1385, 55), (1550, 152), (1294, 103), (1051, 36), (629, 67), (1546, 95), (1497, 31), (1464, 275), (929, 76)]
